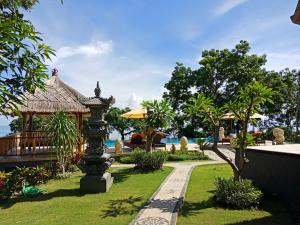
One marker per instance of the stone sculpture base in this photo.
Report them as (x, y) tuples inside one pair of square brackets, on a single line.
[(96, 184)]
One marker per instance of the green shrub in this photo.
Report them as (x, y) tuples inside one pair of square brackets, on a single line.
[(186, 155), (238, 194), (4, 193), (65, 175), (126, 160), (174, 157), (71, 168), (26, 176), (148, 161)]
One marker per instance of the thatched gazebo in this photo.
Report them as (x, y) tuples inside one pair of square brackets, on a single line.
[(296, 17), (56, 96)]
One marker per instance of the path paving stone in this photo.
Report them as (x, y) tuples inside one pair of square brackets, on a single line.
[(163, 207)]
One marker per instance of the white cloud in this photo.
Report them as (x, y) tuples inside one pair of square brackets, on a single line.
[(227, 6), (134, 101), (278, 61), (130, 76), (97, 48)]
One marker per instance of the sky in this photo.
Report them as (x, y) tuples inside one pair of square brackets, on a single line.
[(132, 46)]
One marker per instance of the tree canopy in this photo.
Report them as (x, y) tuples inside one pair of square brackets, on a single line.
[(220, 76), (22, 54)]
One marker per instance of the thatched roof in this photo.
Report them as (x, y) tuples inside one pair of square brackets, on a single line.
[(296, 17), (57, 96)]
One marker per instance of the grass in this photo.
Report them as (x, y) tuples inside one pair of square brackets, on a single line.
[(199, 207), (64, 204)]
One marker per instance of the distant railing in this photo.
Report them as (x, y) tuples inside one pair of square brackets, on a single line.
[(28, 143)]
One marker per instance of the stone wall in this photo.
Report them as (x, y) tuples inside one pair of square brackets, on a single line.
[(275, 173)]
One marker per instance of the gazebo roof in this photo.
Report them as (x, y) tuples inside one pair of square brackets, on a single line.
[(57, 96), (296, 17)]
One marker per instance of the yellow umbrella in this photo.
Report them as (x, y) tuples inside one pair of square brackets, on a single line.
[(138, 113)]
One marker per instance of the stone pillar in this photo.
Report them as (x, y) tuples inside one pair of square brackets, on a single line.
[(96, 162)]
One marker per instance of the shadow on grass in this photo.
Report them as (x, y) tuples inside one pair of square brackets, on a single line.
[(44, 197), (119, 177), (123, 174), (279, 213), (119, 207)]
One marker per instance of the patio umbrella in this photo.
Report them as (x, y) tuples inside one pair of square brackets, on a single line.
[(138, 113), (230, 116)]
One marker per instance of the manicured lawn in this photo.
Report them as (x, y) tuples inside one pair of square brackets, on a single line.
[(63, 204), (200, 209)]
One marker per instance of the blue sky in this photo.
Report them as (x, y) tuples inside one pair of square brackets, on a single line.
[(131, 46)]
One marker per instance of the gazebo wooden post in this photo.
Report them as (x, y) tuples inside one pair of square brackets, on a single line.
[(23, 133), (79, 127), (32, 137)]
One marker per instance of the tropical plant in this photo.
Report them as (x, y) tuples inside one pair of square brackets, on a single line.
[(26, 176), (203, 145), (22, 54), (248, 102), (148, 161), (64, 135), (238, 194), (159, 115)]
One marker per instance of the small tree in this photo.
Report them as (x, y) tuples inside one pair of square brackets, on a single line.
[(159, 115), (248, 102), (63, 132), (122, 125)]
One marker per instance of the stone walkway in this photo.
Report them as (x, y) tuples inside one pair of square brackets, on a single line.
[(164, 204)]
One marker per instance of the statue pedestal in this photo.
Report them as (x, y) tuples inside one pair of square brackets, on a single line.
[(96, 184)]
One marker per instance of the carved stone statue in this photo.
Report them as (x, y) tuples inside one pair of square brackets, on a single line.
[(96, 162), (221, 133), (118, 146), (279, 136), (173, 149), (183, 143)]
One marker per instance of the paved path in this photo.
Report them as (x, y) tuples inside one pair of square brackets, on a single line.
[(163, 206)]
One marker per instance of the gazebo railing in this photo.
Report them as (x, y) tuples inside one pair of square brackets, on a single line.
[(28, 143)]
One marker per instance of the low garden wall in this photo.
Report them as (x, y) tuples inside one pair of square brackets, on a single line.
[(276, 170)]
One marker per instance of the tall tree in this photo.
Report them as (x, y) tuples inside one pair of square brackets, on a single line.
[(22, 54), (220, 76), (286, 92), (38, 122)]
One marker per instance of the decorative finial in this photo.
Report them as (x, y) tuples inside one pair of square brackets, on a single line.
[(55, 72), (97, 90)]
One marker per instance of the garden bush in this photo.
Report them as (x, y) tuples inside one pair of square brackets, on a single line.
[(126, 160), (170, 156), (239, 194), (26, 176), (4, 193), (148, 161), (186, 155)]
